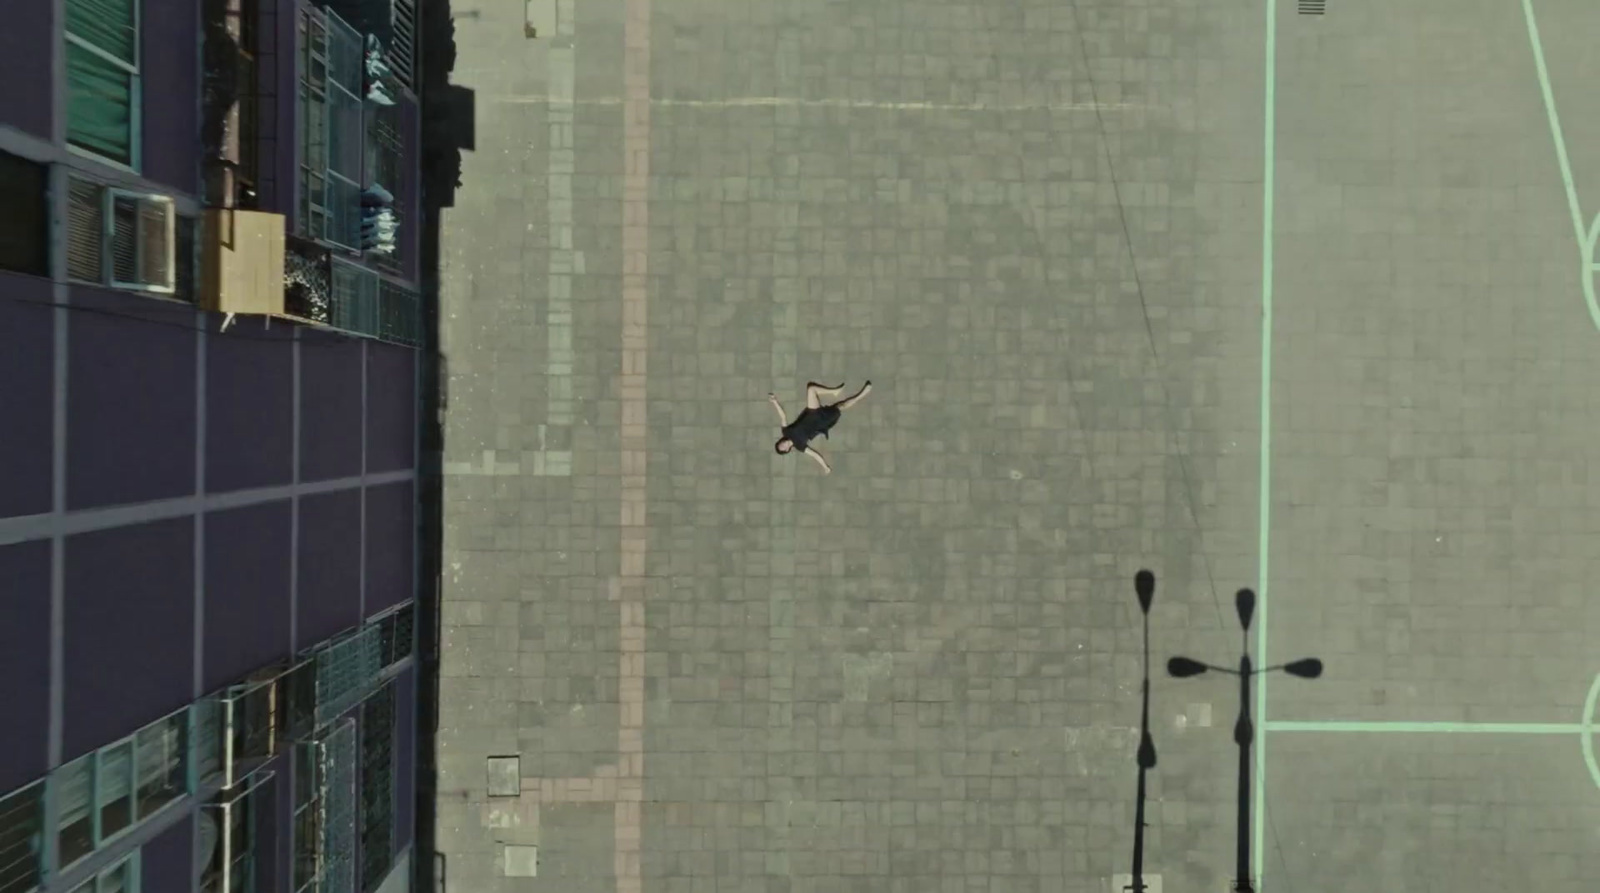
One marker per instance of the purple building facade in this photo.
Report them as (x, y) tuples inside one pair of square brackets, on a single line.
[(208, 453)]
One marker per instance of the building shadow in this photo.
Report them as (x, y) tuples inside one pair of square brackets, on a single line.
[(448, 127)]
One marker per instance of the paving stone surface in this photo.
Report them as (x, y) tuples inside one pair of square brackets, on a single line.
[(1038, 229)]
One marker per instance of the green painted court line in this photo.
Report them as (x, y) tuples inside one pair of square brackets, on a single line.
[(1264, 511), (1586, 240), (1422, 728), (1585, 728)]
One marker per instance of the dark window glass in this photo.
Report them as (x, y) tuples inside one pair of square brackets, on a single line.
[(25, 218), (21, 838)]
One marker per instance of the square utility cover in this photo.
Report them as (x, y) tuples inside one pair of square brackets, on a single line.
[(522, 861), (505, 776)]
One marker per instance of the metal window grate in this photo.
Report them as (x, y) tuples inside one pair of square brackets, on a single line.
[(355, 299), (324, 836), (397, 631), (345, 670), (399, 312), (338, 797), (1313, 7), (384, 147), (365, 304), (377, 787)]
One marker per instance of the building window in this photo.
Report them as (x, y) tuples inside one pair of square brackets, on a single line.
[(103, 79), (114, 788), (312, 111), (122, 877), (163, 762), (24, 215), (332, 129), (122, 239), (21, 838), (228, 831), (74, 793), (104, 793)]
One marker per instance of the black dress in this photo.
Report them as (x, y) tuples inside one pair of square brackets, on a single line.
[(810, 424)]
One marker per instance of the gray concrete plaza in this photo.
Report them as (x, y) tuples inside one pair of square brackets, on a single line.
[(1038, 228)]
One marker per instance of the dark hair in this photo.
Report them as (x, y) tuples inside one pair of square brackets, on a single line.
[(778, 446)]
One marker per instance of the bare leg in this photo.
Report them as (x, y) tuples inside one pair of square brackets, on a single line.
[(851, 400), (815, 392)]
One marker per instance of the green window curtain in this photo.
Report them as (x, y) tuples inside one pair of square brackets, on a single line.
[(108, 24), (100, 99)]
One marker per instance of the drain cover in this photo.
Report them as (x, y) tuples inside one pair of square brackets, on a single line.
[(505, 776), (1313, 7)]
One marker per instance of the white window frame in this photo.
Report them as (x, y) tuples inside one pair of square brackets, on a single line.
[(171, 285), (108, 224), (135, 99)]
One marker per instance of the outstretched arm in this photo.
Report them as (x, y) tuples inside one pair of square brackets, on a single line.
[(821, 460), (783, 417)]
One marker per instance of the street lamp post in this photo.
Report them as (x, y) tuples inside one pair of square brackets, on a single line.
[(1244, 728), (1144, 585)]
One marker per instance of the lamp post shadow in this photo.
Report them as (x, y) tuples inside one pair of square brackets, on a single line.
[(1244, 732), (1144, 586)]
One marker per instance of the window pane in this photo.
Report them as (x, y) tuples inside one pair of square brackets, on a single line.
[(118, 879), (307, 843), (24, 216), (346, 132), (211, 846), (99, 105), (115, 791), (74, 790), (344, 54), (21, 840), (141, 241), (156, 243), (124, 239), (85, 229), (108, 24), (184, 259), (162, 767), (207, 737), (241, 844)]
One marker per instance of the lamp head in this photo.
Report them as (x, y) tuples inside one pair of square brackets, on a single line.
[(1305, 668), (1244, 603), (1144, 584)]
